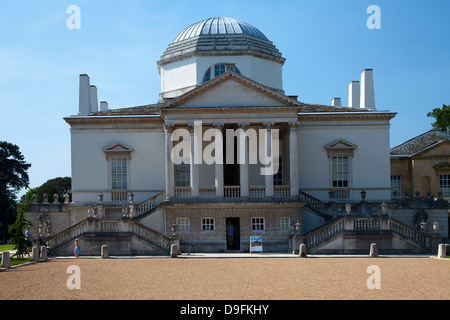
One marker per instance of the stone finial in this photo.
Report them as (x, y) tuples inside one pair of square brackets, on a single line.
[(45, 198), (55, 198), (66, 198), (34, 198)]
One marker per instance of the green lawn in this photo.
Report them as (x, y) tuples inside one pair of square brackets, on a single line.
[(6, 247), (14, 260)]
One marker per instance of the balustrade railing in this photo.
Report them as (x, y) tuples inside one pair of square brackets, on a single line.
[(119, 196), (368, 224), (150, 204), (315, 204), (232, 192), (110, 226), (207, 192), (257, 192), (324, 234), (182, 192), (281, 192)]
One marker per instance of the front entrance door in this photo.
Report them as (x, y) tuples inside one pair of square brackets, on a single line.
[(232, 232)]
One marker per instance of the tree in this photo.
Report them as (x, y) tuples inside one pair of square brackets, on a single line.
[(13, 177), (442, 117), (20, 241), (60, 186)]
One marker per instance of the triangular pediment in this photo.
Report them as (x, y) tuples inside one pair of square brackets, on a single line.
[(231, 90), (442, 166), (341, 144), (119, 148)]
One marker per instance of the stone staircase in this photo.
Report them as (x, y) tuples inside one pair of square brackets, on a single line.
[(353, 235), (123, 236)]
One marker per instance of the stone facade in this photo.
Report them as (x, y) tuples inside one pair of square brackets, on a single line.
[(195, 239)]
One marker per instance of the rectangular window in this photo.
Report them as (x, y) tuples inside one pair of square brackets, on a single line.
[(396, 185), (257, 224), (184, 224), (119, 174), (208, 224), (444, 185), (283, 223), (182, 175), (278, 177), (340, 172)]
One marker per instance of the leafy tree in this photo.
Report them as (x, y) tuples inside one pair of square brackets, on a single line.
[(442, 116), (60, 186), (20, 241), (13, 177)]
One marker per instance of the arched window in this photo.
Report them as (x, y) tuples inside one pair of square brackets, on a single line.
[(219, 69)]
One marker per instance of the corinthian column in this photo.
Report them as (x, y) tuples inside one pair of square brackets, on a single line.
[(218, 147), (169, 174), (243, 160), (293, 159), (269, 177), (195, 145)]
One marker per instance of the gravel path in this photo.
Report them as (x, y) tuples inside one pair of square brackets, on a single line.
[(230, 279)]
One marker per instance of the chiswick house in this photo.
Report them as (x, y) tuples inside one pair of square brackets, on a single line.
[(225, 144)]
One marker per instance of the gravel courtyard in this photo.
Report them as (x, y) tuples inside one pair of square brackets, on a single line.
[(230, 279)]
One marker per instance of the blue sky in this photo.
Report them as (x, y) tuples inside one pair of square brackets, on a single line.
[(326, 43)]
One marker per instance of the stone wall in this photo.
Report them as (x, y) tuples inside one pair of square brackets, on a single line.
[(198, 240)]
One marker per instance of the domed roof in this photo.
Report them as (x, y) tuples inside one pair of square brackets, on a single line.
[(220, 37), (219, 26)]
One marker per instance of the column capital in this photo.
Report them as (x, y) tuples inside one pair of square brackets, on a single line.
[(268, 125), (218, 125), (168, 127), (192, 125), (293, 126), (243, 125)]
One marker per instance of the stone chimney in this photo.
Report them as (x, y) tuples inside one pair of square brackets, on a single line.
[(354, 94), (84, 97), (367, 90), (336, 102), (103, 106), (93, 99)]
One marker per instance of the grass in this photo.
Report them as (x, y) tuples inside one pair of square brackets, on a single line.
[(6, 247), (14, 261)]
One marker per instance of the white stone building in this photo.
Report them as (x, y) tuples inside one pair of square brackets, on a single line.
[(222, 105)]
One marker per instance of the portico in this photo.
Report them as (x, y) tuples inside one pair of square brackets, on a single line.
[(239, 160)]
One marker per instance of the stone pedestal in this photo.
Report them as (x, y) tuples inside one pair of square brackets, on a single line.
[(373, 250), (6, 260), (442, 251), (35, 254), (297, 241), (173, 251), (44, 255), (302, 251), (105, 252)]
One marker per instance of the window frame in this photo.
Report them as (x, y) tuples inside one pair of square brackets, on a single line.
[(283, 225), (397, 186), (183, 223), (446, 193), (208, 224), (258, 224)]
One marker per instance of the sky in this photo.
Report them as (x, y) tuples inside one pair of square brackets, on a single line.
[(326, 43)]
